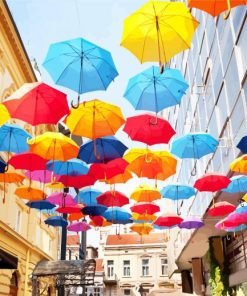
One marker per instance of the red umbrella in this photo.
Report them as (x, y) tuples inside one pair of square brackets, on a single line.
[(114, 167), (237, 218), (76, 181), (99, 221), (212, 182), (145, 208), (221, 209), (28, 161), (69, 209), (168, 220), (38, 103), (149, 130), (112, 199)]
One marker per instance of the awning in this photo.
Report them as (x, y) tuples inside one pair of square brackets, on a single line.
[(7, 261)]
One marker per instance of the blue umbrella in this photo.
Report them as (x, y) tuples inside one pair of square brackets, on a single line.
[(56, 221), (72, 167), (241, 227), (238, 184), (242, 208), (87, 196), (117, 215), (153, 91), (40, 205), (3, 166), (13, 138), (177, 191), (80, 65), (108, 148), (242, 145), (94, 210)]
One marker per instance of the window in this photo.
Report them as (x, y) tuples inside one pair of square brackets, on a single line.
[(126, 267), (126, 292), (96, 291), (18, 221), (164, 266), (145, 267), (110, 268)]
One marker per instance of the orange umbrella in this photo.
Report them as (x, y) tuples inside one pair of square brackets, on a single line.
[(145, 193), (75, 216), (10, 178), (119, 179), (141, 229), (99, 221), (30, 193), (143, 217)]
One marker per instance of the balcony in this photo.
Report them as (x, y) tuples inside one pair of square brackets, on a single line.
[(110, 280)]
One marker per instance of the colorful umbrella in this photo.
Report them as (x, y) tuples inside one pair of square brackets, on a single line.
[(55, 185), (10, 178), (145, 208), (54, 146), (40, 205), (238, 184), (75, 216), (28, 161), (242, 145), (56, 221), (145, 193), (87, 196), (72, 167), (99, 221), (191, 223), (237, 218), (222, 224), (168, 220), (80, 65), (76, 181), (108, 148), (119, 179), (117, 215), (239, 164), (241, 227), (112, 199), (61, 199), (150, 90), (4, 114), (37, 103), (148, 129), (43, 176), (143, 217), (221, 208), (3, 166), (212, 182), (69, 209), (78, 226), (30, 193), (94, 210), (177, 191), (158, 31), (141, 229)]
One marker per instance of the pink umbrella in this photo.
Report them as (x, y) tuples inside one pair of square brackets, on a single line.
[(61, 199), (78, 226), (69, 209), (43, 176)]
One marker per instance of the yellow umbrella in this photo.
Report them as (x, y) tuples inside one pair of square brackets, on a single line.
[(4, 114), (239, 164), (145, 193), (95, 119), (141, 229), (143, 217), (244, 198), (55, 185), (30, 193), (54, 146), (158, 31)]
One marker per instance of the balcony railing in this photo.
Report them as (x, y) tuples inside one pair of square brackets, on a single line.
[(110, 280)]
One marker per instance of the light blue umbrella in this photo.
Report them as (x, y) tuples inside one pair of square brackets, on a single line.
[(117, 215), (153, 91), (80, 65), (87, 196), (178, 191), (238, 184), (72, 167), (241, 227), (242, 208)]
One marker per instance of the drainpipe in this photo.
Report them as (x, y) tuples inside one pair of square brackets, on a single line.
[(26, 271)]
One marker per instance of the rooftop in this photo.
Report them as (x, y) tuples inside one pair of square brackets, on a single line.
[(135, 239)]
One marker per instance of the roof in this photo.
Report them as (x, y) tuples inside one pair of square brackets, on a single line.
[(73, 239), (99, 265), (134, 239)]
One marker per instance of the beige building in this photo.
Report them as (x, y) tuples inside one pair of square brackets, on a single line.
[(24, 238)]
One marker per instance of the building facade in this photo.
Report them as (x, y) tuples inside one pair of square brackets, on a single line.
[(216, 103), (24, 238)]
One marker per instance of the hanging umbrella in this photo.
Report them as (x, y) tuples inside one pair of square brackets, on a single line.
[(78, 226), (75, 216), (145, 208), (76, 181), (145, 193), (238, 184), (99, 221), (212, 182), (148, 129), (191, 223), (221, 208), (94, 210), (54, 146), (69, 209), (30, 193), (40, 205), (141, 229), (150, 90), (3, 166), (119, 179), (215, 7), (4, 114), (158, 31), (80, 65), (43, 176), (28, 161), (236, 218), (61, 199), (242, 208), (117, 215), (55, 185), (242, 145), (241, 227), (87, 196), (108, 148), (177, 191), (168, 220), (56, 221), (6, 178), (112, 199), (239, 164), (143, 217), (37, 103), (71, 167)]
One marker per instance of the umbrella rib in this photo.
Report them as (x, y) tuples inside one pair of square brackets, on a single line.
[(144, 89), (62, 73), (168, 91), (100, 58), (136, 84)]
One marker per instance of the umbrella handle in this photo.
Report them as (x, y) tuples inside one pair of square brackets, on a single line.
[(154, 122), (194, 171), (77, 104), (6, 168), (227, 14), (147, 160), (161, 68)]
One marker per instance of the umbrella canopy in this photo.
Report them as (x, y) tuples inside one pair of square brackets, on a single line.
[(108, 148), (145, 193), (75, 216), (28, 161), (117, 215), (236, 218), (55, 185), (43, 176), (3, 166), (238, 184), (54, 146), (30, 193), (4, 114), (150, 90), (11, 178), (212, 182), (37, 103), (76, 181), (72, 167), (177, 191), (56, 221), (241, 227), (239, 164), (168, 220), (10, 134), (94, 210), (145, 208), (99, 221), (143, 217), (194, 145), (60, 199), (112, 199), (158, 31), (87, 196), (78, 226), (148, 129), (242, 145), (191, 223), (141, 229), (120, 178), (221, 208), (69, 209), (40, 205), (242, 208)]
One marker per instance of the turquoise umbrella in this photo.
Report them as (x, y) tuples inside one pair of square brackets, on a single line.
[(238, 184), (87, 196), (72, 167)]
